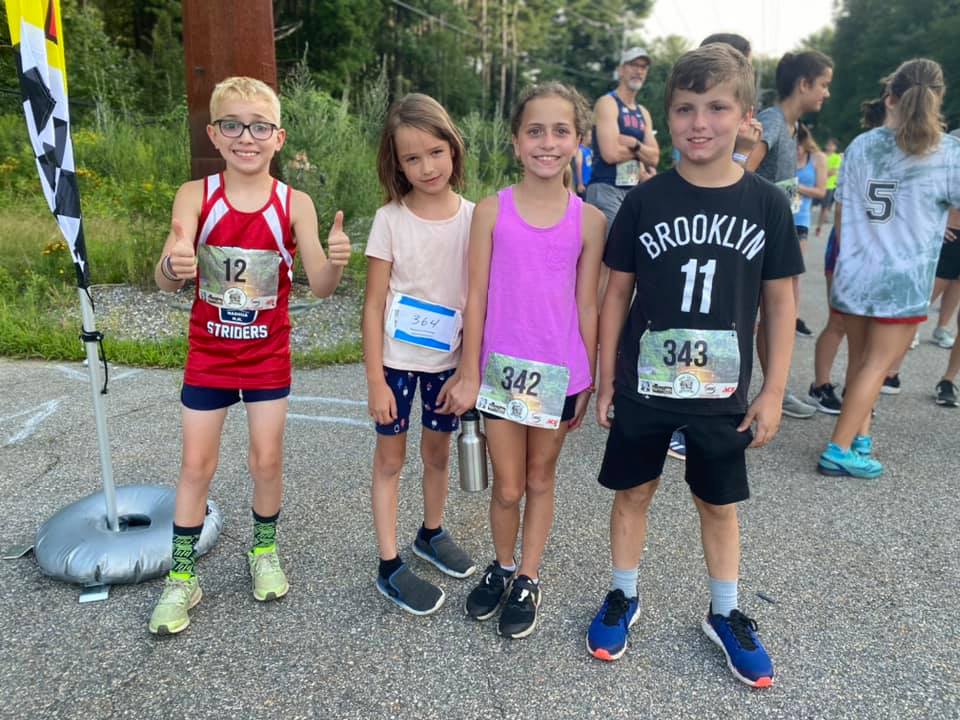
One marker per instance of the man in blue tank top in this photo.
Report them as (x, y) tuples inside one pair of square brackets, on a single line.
[(625, 150)]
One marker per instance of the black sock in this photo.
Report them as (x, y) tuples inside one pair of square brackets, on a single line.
[(426, 534), (184, 549), (389, 567)]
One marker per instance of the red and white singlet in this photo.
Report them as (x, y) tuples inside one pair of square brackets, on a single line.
[(247, 349)]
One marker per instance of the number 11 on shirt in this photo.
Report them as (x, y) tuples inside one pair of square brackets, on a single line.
[(689, 271)]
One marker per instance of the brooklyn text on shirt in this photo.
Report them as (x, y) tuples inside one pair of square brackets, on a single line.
[(727, 231)]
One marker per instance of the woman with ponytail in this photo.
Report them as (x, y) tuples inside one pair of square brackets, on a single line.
[(896, 184)]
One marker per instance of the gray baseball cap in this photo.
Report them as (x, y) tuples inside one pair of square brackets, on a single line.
[(631, 54)]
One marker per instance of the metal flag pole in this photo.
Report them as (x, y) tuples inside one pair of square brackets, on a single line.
[(91, 339)]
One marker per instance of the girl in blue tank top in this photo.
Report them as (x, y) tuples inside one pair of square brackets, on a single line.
[(811, 178), (811, 183)]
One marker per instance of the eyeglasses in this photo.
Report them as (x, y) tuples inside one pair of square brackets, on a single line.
[(234, 129)]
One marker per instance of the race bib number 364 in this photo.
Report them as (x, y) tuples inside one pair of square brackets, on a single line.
[(525, 391), (689, 364), (428, 325)]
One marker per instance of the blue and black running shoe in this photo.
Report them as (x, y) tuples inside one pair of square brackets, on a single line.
[(737, 637), (607, 636)]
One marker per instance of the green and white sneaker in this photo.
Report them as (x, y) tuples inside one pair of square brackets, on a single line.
[(269, 582), (179, 595)]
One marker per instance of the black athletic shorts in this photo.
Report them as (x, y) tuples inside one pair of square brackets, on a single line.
[(566, 415), (827, 201), (716, 468), (948, 266)]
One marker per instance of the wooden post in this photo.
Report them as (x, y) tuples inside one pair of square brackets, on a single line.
[(222, 38)]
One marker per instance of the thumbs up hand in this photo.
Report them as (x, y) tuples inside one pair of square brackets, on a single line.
[(338, 244), (183, 259)]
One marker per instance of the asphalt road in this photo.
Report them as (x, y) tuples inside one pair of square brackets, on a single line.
[(861, 577)]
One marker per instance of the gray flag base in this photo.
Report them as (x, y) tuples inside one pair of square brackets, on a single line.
[(122, 534), (78, 546)]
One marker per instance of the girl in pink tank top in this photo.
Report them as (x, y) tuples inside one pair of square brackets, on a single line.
[(529, 342)]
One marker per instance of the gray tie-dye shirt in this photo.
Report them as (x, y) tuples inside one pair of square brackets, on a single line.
[(893, 219)]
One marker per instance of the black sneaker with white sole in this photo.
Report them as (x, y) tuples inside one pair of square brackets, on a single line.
[(891, 385), (803, 330), (946, 394), (484, 600), (519, 616), (825, 398)]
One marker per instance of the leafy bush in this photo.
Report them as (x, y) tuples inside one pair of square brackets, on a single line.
[(328, 154)]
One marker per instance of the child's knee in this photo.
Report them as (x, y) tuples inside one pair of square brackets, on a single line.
[(197, 469), (507, 496), (541, 480), (266, 464), (436, 453), (388, 458), (716, 514), (636, 499)]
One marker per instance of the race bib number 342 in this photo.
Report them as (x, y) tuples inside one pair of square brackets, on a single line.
[(525, 391), (689, 364)]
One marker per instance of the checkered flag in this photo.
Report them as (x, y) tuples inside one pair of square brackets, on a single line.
[(36, 32)]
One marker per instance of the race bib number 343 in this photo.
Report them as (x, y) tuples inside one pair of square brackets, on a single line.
[(525, 391), (689, 364)]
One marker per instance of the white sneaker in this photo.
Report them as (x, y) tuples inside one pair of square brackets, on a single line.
[(943, 338)]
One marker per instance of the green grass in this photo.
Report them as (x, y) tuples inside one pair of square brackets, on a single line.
[(348, 352)]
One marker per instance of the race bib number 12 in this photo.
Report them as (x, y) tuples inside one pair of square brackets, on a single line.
[(238, 279), (525, 391)]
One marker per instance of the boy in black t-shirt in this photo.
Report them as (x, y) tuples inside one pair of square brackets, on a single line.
[(699, 246)]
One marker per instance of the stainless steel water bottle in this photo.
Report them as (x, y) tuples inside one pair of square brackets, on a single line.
[(472, 453)]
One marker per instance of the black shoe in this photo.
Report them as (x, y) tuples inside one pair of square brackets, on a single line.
[(825, 398), (519, 616), (891, 385), (802, 329), (946, 393), (485, 598)]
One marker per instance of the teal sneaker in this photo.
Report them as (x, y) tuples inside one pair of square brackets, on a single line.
[(862, 445), (179, 595), (269, 582), (837, 462)]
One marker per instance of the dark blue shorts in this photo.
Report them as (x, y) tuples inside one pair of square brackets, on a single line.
[(830, 253), (403, 383), (204, 398), (948, 266)]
